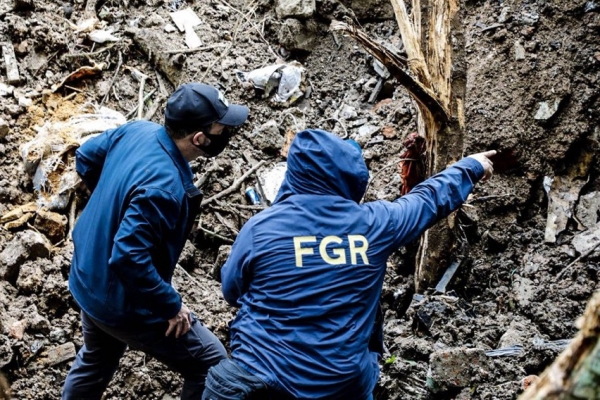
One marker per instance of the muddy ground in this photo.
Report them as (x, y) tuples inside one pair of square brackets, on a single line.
[(533, 71)]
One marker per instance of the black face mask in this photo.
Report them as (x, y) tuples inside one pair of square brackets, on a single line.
[(218, 143)]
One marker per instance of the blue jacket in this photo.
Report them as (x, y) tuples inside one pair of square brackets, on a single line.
[(130, 234), (307, 273)]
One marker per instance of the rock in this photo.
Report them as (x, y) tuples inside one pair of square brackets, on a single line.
[(519, 51), (25, 101), (587, 209), (17, 329), (389, 132), (59, 354), (586, 241), (295, 8), (222, 256), (514, 335), (455, 368), (25, 246), (3, 128), (525, 291), (348, 112), (38, 323), (31, 279), (51, 224), (187, 257), (267, 137), (22, 48), (547, 110), (6, 352), (296, 35), (504, 15), (6, 90)]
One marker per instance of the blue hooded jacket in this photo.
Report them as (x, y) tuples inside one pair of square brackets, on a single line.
[(307, 273), (129, 236)]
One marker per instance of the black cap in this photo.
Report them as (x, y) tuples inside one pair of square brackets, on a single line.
[(194, 105)]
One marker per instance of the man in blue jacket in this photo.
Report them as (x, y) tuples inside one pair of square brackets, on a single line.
[(307, 273), (129, 237)]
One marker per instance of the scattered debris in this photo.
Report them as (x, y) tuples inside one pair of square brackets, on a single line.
[(186, 20), (49, 156), (26, 245), (286, 80), (519, 56), (102, 36), (447, 277), (505, 351)]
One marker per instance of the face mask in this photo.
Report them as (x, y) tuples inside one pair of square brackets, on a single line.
[(217, 143)]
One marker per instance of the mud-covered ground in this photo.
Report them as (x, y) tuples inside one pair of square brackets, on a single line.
[(533, 71)]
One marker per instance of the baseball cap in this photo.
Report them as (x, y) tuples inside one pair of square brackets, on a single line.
[(194, 105)]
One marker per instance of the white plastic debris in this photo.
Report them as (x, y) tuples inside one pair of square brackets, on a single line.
[(270, 181), (186, 20), (287, 79), (49, 156), (102, 36)]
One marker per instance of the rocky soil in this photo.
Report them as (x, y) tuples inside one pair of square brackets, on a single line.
[(532, 93)]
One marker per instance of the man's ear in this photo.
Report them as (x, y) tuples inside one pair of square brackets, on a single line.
[(197, 138)]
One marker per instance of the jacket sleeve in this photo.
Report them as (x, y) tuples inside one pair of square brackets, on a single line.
[(432, 200), (89, 159), (236, 273), (151, 215)]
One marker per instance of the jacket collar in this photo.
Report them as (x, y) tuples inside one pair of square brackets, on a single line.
[(180, 162)]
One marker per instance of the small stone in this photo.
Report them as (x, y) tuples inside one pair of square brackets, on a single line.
[(67, 10), (296, 35), (267, 137), (455, 367), (519, 51), (525, 291), (6, 90), (500, 35), (25, 246), (170, 28), (6, 351), (51, 224), (504, 15), (222, 256), (17, 329), (295, 8), (241, 62), (31, 279), (546, 110), (389, 132), (528, 31), (3, 128), (368, 130), (22, 48), (348, 112), (25, 101), (59, 354)]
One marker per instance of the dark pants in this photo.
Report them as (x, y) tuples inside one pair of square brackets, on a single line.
[(190, 355)]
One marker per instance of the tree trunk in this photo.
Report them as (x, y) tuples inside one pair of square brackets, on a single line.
[(575, 374), (434, 42), (440, 65)]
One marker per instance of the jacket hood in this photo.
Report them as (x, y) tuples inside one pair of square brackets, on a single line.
[(320, 163)]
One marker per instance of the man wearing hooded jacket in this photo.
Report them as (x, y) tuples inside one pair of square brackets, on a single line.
[(307, 273), (129, 237)]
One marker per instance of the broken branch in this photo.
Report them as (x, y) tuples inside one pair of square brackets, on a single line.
[(395, 65), (235, 186)]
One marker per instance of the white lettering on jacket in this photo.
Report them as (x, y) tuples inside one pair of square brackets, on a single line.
[(329, 252)]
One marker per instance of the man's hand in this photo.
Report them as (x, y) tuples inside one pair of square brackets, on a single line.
[(486, 163), (181, 323)]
